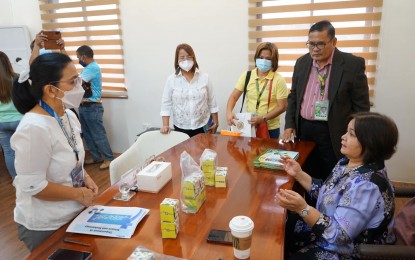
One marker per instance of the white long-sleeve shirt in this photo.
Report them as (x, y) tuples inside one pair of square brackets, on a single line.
[(190, 103), (44, 155)]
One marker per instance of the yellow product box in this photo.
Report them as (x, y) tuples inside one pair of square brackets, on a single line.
[(221, 177), (208, 164), (169, 210), (194, 204), (192, 186), (210, 178), (169, 229)]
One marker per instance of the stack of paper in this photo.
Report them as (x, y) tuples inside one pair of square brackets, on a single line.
[(270, 159), (108, 221)]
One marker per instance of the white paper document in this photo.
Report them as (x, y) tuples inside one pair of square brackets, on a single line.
[(108, 221), (242, 126)]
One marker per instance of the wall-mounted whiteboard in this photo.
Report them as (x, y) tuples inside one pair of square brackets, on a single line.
[(15, 42)]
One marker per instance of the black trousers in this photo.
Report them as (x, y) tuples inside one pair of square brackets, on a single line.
[(190, 132), (322, 159)]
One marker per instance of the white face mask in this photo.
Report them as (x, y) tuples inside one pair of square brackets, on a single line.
[(186, 65), (73, 98)]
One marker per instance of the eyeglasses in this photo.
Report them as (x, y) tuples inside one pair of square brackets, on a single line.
[(319, 45), (75, 81), (183, 58)]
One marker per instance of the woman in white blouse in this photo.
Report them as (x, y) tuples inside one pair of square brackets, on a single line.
[(51, 185), (188, 97)]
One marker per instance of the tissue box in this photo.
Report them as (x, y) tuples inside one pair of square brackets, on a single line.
[(169, 229), (169, 210), (221, 177), (154, 176)]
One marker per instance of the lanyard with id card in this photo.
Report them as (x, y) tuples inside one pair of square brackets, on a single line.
[(321, 107), (77, 173)]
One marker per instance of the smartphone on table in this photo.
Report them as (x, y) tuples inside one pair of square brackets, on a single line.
[(53, 36), (69, 254), (220, 237)]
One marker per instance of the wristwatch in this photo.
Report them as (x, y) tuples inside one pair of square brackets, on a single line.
[(264, 118), (304, 212)]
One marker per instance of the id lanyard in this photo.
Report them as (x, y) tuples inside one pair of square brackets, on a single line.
[(259, 92), (322, 80), (71, 139)]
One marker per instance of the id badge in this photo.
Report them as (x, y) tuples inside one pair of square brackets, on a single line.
[(77, 175), (321, 110)]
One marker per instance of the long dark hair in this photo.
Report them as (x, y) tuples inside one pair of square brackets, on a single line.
[(6, 78), (44, 69)]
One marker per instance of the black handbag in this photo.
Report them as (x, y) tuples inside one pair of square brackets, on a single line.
[(87, 86)]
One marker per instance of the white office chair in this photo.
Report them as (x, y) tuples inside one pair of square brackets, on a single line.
[(147, 144)]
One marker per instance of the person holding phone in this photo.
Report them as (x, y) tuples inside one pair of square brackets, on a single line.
[(188, 96), (52, 186), (38, 45)]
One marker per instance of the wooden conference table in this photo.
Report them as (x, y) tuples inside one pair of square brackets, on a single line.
[(250, 192)]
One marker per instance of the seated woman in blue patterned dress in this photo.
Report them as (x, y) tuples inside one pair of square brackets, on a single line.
[(354, 205)]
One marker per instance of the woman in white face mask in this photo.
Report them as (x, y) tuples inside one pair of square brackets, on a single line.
[(265, 91), (188, 97), (51, 185)]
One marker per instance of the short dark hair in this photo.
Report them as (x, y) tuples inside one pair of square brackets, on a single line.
[(274, 53), (44, 69), (85, 50), (324, 25), (377, 134)]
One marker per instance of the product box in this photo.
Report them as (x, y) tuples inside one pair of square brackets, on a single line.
[(193, 186), (169, 210), (193, 193), (169, 229), (195, 203), (208, 165), (221, 177), (154, 176)]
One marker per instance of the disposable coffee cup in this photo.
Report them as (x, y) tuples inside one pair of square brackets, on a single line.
[(241, 229)]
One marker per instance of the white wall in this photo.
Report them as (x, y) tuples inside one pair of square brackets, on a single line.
[(218, 31), (395, 88)]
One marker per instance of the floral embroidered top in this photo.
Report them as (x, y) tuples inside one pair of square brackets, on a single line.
[(190, 103), (357, 206)]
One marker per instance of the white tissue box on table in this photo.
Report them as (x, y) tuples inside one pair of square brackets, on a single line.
[(154, 176)]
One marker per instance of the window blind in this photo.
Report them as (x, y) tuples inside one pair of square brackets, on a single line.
[(286, 23), (95, 23)]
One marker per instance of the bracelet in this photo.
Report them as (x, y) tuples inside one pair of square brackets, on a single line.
[(83, 195), (264, 118)]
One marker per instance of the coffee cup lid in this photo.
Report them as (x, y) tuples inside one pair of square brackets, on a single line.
[(241, 224)]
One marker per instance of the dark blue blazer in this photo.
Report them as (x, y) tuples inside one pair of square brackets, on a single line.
[(348, 93)]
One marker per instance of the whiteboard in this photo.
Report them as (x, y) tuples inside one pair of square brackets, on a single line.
[(15, 42)]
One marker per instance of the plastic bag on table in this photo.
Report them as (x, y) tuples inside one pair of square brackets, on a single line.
[(192, 194)]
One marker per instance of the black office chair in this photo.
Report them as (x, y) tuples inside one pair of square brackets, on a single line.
[(384, 252)]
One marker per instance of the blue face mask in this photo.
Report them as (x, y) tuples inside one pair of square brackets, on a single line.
[(263, 65)]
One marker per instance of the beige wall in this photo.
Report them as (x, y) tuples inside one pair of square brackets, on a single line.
[(218, 31)]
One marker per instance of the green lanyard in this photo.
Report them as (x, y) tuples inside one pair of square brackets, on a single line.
[(322, 80), (259, 93)]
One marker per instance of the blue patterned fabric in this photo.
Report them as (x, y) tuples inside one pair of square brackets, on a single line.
[(357, 206)]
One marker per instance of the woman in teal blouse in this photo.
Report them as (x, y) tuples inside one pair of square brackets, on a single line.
[(9, 116)]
